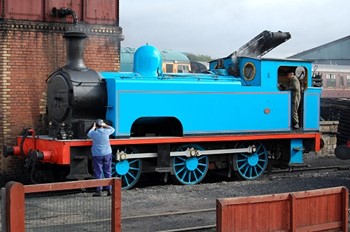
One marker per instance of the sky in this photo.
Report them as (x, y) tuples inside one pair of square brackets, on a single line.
[(218, 27)]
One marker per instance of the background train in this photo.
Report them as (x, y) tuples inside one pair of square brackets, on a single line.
[(233, 119), (336, 80)]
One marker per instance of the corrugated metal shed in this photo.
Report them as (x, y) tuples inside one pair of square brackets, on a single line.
[(127, 59), (336, 52), (170, 55)]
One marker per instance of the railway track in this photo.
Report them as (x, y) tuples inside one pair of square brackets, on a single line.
[(165, 222), (306, 170), (173, 218)]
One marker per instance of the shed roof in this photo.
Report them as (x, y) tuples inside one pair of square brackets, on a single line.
[(336, 50)]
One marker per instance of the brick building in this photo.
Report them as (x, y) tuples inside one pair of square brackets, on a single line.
[(32, 46)]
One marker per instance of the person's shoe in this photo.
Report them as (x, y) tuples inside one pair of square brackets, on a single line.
[(97, 194), (296, 126), (109, 193)]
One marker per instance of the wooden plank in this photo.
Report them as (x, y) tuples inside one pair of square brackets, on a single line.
[(69, 185), (317, 192), (321, 227), (254, 199)]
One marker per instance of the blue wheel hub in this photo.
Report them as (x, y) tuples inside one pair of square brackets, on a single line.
[(252, 166), (253, 160), (190, 170), (122, 167), (192, 163)]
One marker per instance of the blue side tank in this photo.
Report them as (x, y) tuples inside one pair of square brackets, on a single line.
[(148, 61)]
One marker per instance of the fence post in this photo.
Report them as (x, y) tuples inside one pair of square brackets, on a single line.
[(3, 209), (116, 205), (293, 220), (15, 213), (345, 216)]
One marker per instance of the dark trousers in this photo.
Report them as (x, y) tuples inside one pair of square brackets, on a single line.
[(102, 168)]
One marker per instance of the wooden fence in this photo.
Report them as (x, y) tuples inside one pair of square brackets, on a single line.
[(15, 199), (315, 210)]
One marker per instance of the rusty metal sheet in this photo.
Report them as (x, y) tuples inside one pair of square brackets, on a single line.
[(89, 11), (75, 5), (25, 10), (101, 11)]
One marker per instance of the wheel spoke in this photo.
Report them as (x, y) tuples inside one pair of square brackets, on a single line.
[(131, 175), (195, 175), (261, 153), (189, 177), (242, 166), (255, 170), (251, 169), (258, 165), (200, 171), (245, 171), (126, 180), (133, 161), (181, 158), (136, 169), (179, 164), (178, 172), (259, 147), (184, 174)]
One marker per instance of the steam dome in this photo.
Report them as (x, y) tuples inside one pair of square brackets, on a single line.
[(148, 61)]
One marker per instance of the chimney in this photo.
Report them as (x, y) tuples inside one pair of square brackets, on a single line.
[(75, 50)]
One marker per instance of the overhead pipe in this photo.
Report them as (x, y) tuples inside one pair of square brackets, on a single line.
[(63, 12)]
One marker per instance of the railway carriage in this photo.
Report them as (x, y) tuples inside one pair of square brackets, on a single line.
[(233, 118)]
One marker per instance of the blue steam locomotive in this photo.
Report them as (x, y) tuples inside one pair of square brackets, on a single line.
[(232, 118)]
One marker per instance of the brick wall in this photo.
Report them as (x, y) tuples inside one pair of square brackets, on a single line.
[(329, 131), (29, 52)]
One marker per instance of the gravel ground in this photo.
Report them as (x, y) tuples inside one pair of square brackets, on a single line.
[(160, 198)]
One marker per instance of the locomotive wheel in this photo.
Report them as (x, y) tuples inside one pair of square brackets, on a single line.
[(251, 166), (190, 170), (129, 170)]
